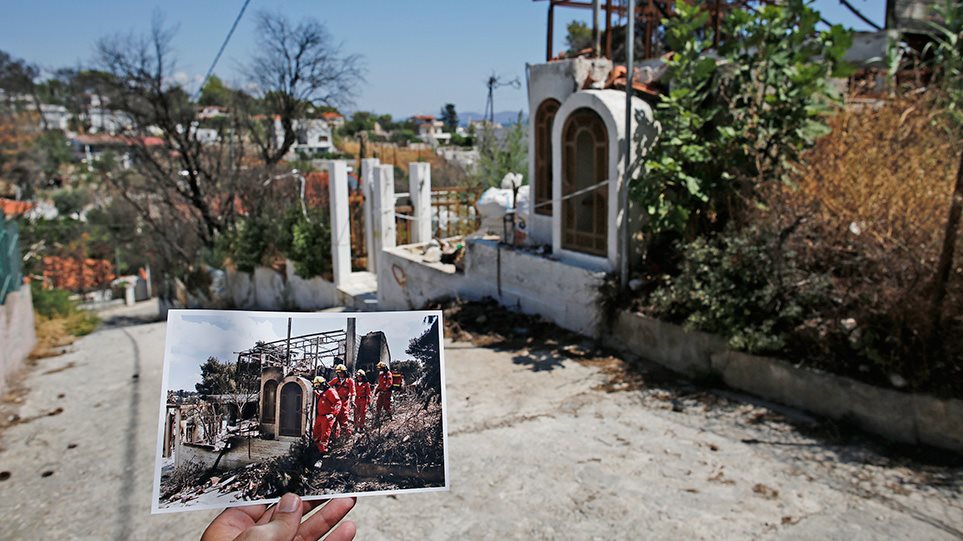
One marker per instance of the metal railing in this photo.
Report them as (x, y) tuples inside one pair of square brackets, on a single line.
[(10, 273)]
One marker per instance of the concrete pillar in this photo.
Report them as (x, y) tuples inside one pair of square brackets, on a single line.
[(419, 184), (383, 209), (368, 166), (340, 220), (349, 345)]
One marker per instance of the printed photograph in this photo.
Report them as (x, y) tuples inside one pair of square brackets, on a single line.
[(257, 404)]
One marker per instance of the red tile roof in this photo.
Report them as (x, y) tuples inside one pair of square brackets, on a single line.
[(617, 78), (12, 208), (74, 274)]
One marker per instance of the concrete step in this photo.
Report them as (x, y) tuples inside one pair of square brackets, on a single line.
[(359, 292)]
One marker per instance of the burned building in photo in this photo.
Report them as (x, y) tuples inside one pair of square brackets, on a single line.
[(278, 409)]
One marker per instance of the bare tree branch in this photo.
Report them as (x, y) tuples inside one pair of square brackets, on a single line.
[(297, 65)]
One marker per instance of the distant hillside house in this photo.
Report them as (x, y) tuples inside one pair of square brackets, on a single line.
[(91, 147), (209, 112), (333, 118), (431, 130), (55, 117), (108, 121), (313, 136)]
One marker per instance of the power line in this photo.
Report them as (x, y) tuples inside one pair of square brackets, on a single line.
[(221, 50), (862, 17)]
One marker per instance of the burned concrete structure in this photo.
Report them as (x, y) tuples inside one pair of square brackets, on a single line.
[(373, 349)]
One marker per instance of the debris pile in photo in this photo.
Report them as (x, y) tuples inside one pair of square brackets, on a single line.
[(405, 451)]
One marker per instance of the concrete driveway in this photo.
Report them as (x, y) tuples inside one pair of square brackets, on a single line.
[(541, 447)]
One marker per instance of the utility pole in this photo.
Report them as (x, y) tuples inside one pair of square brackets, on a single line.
[(596, 30), (629, 78)]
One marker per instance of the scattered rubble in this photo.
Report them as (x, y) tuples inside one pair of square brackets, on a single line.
[(388, 456)]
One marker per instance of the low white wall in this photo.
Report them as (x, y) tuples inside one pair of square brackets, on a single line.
[(407, 283), (17, 335), (563, 293), (902, 417), (267, 289), (243, 451)]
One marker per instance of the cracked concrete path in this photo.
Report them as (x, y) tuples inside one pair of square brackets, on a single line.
[(537, 450)]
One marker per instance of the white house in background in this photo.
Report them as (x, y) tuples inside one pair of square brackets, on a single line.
[(206, 136), (431, 130), (208, 112), (313, 136), (55, 117), (334, 119), (108, 121)]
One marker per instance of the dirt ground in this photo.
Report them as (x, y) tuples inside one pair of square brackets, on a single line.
[(549, 438)]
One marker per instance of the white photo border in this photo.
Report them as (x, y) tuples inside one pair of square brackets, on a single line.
[(162, 406)]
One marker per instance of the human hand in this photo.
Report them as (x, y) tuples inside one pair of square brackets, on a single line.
[(282, 522)]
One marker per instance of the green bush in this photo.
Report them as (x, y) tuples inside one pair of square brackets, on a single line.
[(310, 247), (744, 286), (51, 302), (57, 304)]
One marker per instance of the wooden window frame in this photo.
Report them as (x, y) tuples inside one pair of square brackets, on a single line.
[(595, 241), (544, 117)]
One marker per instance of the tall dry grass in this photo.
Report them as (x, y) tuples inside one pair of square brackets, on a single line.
[(443, 174), (869, 210)]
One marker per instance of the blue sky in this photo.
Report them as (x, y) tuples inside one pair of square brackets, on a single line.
[(195, 336), (420, 54)]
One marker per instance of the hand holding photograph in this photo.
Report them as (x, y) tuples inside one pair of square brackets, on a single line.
[(257, 404)]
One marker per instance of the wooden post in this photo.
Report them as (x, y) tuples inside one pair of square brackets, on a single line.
[(551, 18)]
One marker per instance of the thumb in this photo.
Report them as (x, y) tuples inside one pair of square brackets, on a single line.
[(287, 518)]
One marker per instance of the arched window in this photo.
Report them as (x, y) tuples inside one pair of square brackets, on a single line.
[(585, 163), (544, 117), (268, 401)]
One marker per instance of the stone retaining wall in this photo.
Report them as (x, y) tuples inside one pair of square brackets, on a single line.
[(902, 417)]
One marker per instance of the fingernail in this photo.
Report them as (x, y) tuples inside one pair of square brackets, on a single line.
[(289, 502)]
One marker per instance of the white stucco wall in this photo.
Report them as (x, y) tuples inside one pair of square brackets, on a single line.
[(17, 334), (267, 289), (564, 293), (610, 106), (557, 80)]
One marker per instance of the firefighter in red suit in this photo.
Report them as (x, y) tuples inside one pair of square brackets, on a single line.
[(345, 388), (362, 399), (383, 391), (329, 406)]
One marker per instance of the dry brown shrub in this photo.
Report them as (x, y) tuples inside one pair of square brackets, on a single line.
[(443, 174), (870, 210)]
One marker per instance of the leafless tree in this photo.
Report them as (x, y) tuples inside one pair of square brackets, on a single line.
[(176, 176), (296, 65)]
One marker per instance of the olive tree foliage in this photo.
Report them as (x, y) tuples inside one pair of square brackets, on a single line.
[(296, 65), (735, 116)]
